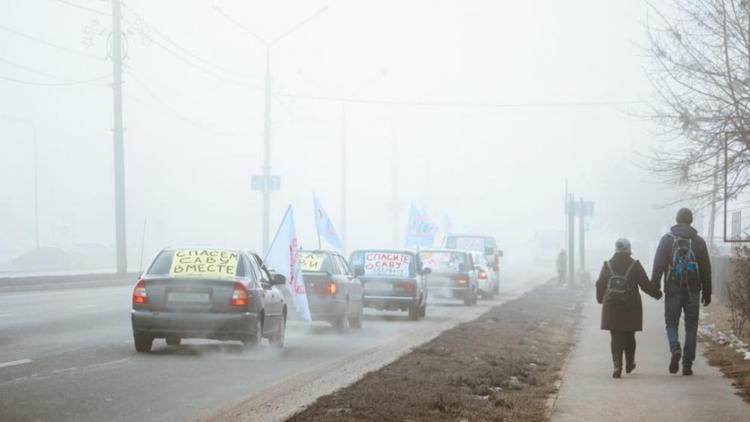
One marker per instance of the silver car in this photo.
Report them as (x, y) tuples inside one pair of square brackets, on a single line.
[(208, 293), (453, 274)]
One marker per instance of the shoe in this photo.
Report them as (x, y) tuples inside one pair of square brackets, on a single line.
[(617, 373), (687, 369), (674, 364), (629, 367)]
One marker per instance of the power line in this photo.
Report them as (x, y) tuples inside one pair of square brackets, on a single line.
[(49, 44), (175, 44), (574, 104), (88, 9), (193, 60), (49, 75), (34, 83), (195, 123)]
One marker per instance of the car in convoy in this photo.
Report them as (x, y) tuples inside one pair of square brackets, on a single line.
[(220, 294), (486, 245), (392, 280), (486, 283), (452, 274), (334, 294)]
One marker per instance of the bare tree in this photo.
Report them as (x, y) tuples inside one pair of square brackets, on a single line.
[(700, 69)]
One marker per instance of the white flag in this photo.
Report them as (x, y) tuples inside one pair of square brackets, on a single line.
[(283, 257)]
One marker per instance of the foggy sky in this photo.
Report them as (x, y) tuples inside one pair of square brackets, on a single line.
[(194, 128)]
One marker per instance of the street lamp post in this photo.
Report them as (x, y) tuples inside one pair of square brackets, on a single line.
[(266, 188)]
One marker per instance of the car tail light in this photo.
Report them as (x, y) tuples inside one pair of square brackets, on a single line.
[(462, 280), (405, 286), (330, 288), (139, 293), (239, 295), (483, 275)]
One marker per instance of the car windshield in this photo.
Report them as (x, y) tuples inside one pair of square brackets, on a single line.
[(443, 260), (384, 263), (197, 263), (316, 262), (467, 243)]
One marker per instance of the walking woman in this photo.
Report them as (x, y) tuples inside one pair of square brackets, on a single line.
[(622, 314)]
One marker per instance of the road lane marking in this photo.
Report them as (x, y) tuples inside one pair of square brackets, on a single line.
[(14, 363)]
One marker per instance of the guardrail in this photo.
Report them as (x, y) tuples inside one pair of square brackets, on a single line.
[(64, 280)]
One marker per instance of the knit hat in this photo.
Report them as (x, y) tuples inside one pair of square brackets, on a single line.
[(684, 216), (622, 245)]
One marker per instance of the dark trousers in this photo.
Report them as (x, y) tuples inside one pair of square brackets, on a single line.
[(674, 304), (622, 342)]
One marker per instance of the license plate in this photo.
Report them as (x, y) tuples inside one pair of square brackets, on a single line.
[(188, 297), (379, 287)]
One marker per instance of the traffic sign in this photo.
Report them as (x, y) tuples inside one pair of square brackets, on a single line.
[(578, 207), (259, 183)]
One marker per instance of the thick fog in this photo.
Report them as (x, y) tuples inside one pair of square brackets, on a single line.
[(491, 105)]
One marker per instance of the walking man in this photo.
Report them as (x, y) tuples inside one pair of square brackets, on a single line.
[(682, 261)]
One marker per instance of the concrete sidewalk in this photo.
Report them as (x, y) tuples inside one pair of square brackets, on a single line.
[(589, 393)]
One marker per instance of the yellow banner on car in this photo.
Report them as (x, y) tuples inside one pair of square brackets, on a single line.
[(207, 263), (310, 262)]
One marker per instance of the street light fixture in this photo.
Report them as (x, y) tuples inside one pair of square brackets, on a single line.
[(266, 186)]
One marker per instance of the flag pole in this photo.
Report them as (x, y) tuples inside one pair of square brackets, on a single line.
[(317, 226)]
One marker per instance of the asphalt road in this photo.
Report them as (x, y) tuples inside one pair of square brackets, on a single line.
[(67, 355)]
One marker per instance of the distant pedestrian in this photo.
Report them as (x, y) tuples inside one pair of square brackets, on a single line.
[(562, 266), (682, 260), (622, 314)]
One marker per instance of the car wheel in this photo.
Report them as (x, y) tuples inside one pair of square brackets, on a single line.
[(143, 342), (342, 322), (254, 339), (423, 310), (356, 322), (173, 341), (475, 297), (414, 311), (467, 298), (278, 339)]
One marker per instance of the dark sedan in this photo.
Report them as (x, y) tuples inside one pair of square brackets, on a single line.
[(207, 293)]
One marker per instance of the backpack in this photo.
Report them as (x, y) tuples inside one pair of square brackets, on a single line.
[(618, 292), (684, 267)]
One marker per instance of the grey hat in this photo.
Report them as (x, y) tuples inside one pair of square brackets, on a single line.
[(622, 245), (684, 216)]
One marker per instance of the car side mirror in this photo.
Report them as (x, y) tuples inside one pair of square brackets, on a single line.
[(426, 271), (359, 272), (277, 279)]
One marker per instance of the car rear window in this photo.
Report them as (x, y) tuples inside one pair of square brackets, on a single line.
[(316, 262), (198, 263), (443, 260), (384, 263)]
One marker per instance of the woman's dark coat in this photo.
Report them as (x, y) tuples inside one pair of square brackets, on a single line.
[(630, 316)]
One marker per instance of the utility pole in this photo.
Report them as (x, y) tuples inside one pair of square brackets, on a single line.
[(119, 159), (571, 239), (394, 173), (267, 154), (581, 237), (36, 190), (343, 174)]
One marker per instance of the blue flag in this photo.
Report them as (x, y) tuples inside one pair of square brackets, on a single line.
[(325, 226), (419, 231)]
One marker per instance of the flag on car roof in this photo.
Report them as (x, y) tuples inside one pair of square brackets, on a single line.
[(420, 231), (283, 258), (325, 226)]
